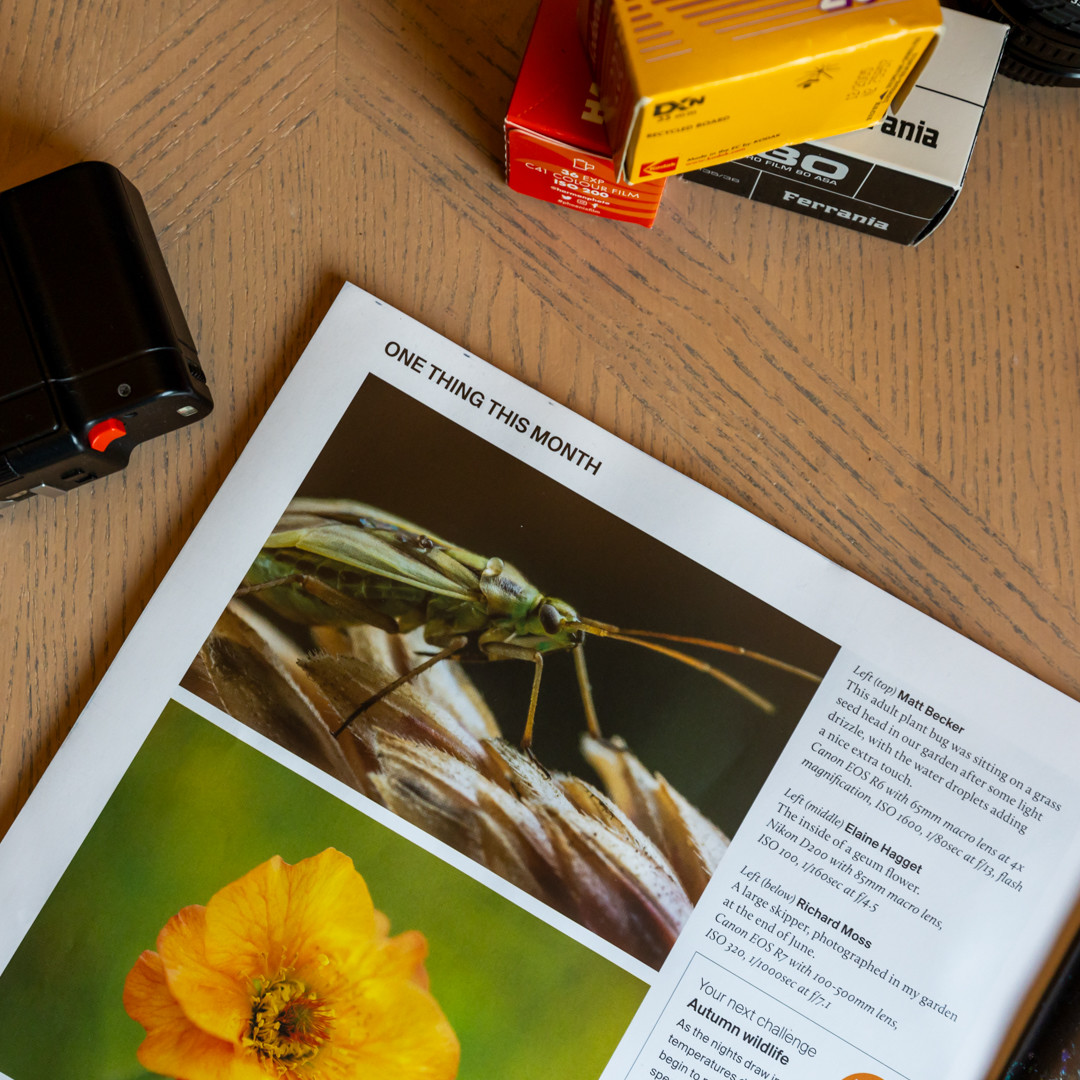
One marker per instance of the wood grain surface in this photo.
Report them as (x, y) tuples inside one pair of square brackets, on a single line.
[(913, 414)]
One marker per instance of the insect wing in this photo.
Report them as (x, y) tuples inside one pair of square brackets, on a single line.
[(370, 552), (363, 515), (459, 564)]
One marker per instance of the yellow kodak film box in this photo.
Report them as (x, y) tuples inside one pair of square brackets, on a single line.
[(691, 83)]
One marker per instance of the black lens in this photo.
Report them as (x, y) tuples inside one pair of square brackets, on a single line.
[(1044, 40)]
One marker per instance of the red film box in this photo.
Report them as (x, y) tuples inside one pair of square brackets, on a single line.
[(556, 146)]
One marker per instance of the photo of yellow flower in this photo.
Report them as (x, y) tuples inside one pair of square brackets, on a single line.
[(228, 918), (289, 972)]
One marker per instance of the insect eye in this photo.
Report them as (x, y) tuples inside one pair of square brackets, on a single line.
[(550, 618)]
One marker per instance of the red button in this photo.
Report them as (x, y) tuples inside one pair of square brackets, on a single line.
[(103, 433)]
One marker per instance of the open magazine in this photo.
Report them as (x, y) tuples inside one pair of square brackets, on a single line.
[(464, 740)]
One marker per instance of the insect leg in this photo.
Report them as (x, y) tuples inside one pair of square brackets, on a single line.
[(585, 687), (526, 738), (348, 607), (456, 645), (260, 586), (505, 650)]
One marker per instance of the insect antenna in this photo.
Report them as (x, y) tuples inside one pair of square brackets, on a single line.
[(720, 646), (642, 638)]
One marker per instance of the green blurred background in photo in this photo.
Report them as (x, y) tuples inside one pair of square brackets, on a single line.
[(198, 809)]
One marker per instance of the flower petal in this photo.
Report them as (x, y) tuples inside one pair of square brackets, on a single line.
[(174, 1046), (279, 916), (400, 957), (213, 998), (388, 1029)]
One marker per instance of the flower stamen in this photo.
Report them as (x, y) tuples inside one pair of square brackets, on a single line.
[(289, 1024)]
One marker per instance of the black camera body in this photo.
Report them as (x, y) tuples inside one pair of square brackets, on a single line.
[(95, 354)]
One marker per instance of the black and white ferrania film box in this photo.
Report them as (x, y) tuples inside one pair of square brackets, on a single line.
[(899, 178)]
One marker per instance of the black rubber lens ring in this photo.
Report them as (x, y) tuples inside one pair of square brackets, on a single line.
[(1043, 47)]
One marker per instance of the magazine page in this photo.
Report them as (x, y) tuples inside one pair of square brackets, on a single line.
[(463, 739)]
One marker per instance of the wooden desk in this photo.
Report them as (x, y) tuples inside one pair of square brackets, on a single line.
[(911, 414)]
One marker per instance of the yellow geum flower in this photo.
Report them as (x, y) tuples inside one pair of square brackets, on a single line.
[(289, 972)]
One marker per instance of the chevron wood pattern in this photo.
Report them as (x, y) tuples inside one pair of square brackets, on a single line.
[(913, 414)]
